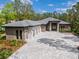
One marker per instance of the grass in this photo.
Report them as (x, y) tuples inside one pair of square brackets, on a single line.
[(7, 47), (5, 53)]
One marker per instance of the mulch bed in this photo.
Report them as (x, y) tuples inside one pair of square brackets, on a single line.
[(6, 44)]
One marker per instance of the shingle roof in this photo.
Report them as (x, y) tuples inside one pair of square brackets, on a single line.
[(63, 22), (32, 23), (45, 21), (22, 23), (50, 19)]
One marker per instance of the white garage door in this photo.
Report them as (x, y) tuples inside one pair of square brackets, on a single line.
[(30, 35)]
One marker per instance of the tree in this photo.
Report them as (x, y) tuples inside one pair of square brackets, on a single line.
[(17, 11), (17, 7), (72, 16), (8, 12), (23, 10)]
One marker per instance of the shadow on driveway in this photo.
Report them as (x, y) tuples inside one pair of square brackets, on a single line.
[(73, 38), (58, 44)]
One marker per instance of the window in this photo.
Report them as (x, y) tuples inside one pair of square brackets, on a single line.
[(20, 34), (17, 36)]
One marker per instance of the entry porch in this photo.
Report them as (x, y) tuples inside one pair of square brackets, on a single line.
[(57, 26)]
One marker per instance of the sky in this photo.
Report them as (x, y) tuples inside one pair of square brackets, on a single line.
[(41, 6)]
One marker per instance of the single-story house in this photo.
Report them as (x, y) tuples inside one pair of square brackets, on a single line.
[(27, 29)]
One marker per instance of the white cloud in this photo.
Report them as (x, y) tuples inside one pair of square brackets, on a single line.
[(61, 9), (69, 3), (43, 11), (50, 5)]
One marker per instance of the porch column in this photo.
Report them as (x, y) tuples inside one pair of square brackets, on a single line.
[(58, 27), (50, 26)]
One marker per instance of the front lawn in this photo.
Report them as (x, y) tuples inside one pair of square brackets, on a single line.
[(7, 47)]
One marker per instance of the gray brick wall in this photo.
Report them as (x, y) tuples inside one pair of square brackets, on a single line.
[(43, 28), (11, 33)]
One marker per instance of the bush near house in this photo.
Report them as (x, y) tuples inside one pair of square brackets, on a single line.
[(2, 30), (14, 43), (2, 33), (2, 37), (7, 47)]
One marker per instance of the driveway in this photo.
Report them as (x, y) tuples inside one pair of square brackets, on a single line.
[(49, 45)]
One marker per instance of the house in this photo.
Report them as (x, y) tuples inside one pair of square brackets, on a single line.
[(27, 29)]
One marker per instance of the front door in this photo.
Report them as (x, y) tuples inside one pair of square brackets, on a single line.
[(54, 26)]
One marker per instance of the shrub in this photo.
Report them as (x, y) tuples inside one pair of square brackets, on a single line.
[(2, 37), (76, 31), (13, 42), (2, 30), (5, 53)]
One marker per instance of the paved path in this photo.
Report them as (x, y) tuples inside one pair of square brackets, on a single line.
[(49, 45)]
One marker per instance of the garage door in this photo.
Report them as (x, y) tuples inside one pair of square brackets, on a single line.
[(30, 35)]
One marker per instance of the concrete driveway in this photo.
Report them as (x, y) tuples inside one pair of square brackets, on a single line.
[(49, 45)]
